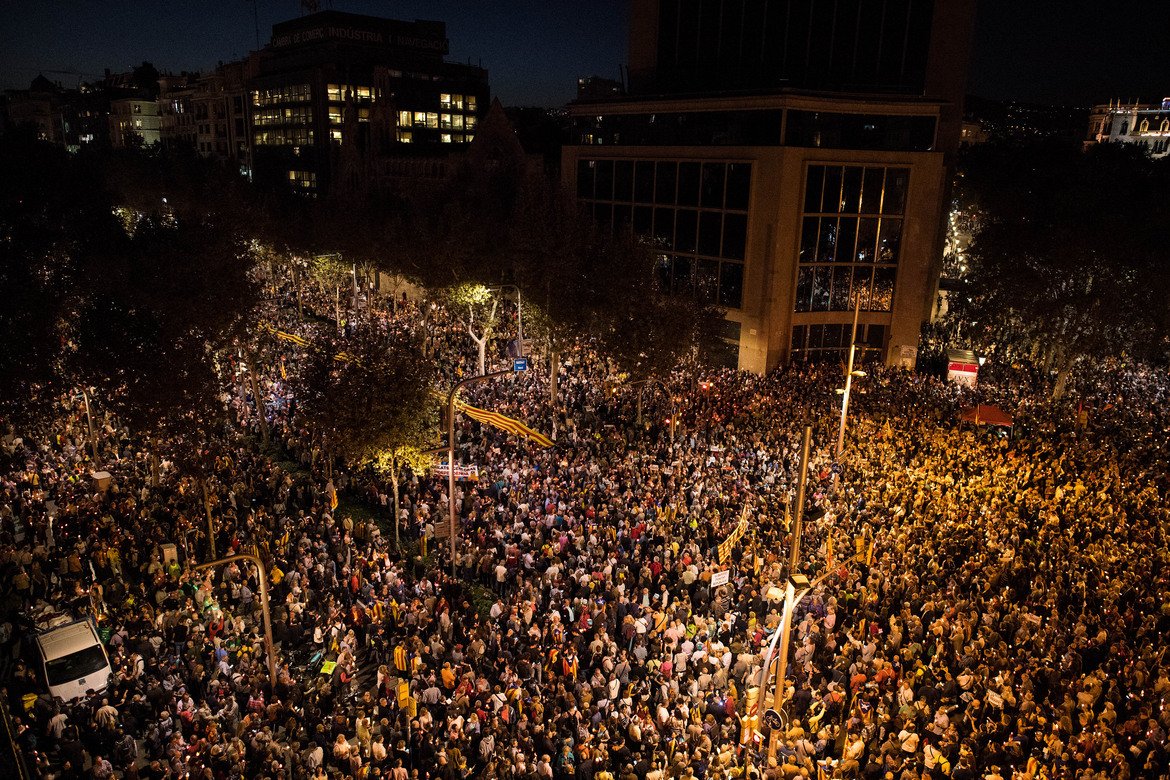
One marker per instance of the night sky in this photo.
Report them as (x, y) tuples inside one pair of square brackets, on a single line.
[(1049, 51)]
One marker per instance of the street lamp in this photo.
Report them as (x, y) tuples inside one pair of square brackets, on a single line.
[(451, 451), (642, 384), (263, 576), (795, 581), (849, 374)]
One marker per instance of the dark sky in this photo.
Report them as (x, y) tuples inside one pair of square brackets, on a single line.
[(1072, 51)]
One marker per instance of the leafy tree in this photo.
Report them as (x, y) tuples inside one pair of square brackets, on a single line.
[(1070, 256), (52, 210), (480, 309), (369, 396)]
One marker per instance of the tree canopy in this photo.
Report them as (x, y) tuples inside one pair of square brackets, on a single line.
[(1070, 258)]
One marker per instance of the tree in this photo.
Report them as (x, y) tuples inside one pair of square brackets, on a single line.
[(1069, 257), (369, 396), (52, 210), (480, 308)]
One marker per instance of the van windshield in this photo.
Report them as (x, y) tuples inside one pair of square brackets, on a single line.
[(71, 667)]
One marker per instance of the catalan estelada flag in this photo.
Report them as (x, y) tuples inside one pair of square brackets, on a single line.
[(497, 420)]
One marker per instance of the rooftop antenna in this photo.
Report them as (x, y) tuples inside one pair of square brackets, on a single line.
[(256, 21)]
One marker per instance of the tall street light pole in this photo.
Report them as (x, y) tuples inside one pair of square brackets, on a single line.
[(795, 581), (451, 452), (849, 373), (268, 647)]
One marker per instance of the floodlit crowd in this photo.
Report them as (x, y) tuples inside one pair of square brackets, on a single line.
[(987, 605)]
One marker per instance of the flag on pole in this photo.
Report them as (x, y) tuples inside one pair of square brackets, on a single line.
[(497, 420)]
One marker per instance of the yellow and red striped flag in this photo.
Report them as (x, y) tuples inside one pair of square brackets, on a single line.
[(497, 420)]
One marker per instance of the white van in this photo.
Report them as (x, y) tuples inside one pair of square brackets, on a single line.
[(74, 660)]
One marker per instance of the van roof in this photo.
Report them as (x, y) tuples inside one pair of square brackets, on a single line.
[(67, 639)]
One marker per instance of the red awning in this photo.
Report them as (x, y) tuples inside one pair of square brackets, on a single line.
[(986, 414)]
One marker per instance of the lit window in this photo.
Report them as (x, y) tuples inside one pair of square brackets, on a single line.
[(404, 119), (405, 136), (457, 121), (432, 120), (469, 122), (363, 115), (303, 179), (362, 93), (445, 138), (445, 100), (445, 121), (470, 137), (1145, 126), (335, 93), (420, 118), (335, 135), (334, 116), (471, 102)]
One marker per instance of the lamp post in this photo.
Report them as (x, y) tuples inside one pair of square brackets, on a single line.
[(519, 315), (255, 558), (849, 374), (795, 581), (642, 384), (451, 451)]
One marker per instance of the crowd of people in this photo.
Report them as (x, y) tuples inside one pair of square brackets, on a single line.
[(987, 606)]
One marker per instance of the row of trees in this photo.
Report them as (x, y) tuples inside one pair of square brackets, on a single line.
[(1069, 259), (139, 275)]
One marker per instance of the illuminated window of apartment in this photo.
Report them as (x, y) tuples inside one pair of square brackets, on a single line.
[(303, 179), (405, 136), (457, 121), (334, 116), (420, 118), (469, 122), (404, 119), (445, 138), (470, 102), (445, 101), (335, 135), (334, 92), (432, 120), (363, 115), (470, 137), (445, 121), (362, 93)]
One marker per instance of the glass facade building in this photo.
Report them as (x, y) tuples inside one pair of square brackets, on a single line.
[(785, 160)]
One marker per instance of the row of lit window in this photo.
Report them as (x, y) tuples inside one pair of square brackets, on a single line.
[(436, 121), (337, 93), (282, 116), (335, 115), (289, 136), (407, 137), (457, 102), (852, 189), (296, 93), (303, 179)]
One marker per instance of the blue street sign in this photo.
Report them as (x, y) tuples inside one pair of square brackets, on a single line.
[(520, 364)]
